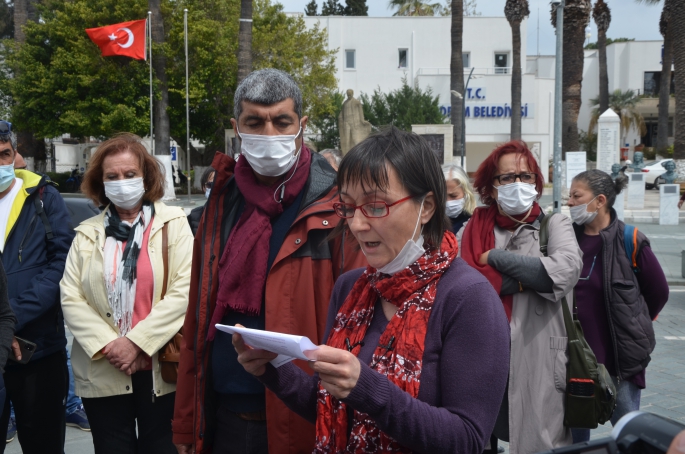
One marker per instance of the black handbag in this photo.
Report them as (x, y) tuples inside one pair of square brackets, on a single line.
[(590, 391)]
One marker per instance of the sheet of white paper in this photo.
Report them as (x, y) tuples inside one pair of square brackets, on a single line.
[(287, 346)]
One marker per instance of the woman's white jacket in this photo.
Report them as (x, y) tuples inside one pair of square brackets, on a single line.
[(88, 315)]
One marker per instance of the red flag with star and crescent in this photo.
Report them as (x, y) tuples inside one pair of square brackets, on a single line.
[(126, 39)]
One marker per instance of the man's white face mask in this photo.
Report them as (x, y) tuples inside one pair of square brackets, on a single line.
[(269, 156)]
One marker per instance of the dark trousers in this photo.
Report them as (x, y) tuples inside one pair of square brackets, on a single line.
[(38, 391), (113, 420), (238, 436)]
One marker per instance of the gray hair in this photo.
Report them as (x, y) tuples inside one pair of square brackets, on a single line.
[(337, 154), (600, 182), (457, 174), (11, 138), (267, 86)]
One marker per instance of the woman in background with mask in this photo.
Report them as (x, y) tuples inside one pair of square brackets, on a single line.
[(501, 240), (410, 364), (616, 321), (124, 296), (206, 181), (460, 199)]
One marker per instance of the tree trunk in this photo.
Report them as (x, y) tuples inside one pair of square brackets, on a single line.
[(457, 75), (29, 146), (576, 18), (678, 29), (665, 90), (245, 40), (516, 82), (160, 114), (603, 73)]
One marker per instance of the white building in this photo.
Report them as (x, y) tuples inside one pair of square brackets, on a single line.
[(378, 52)]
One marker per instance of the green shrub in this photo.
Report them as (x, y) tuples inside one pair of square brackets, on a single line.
[(60, 178)]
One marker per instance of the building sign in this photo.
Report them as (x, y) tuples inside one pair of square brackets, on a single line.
[(492, 111), (174, 156)]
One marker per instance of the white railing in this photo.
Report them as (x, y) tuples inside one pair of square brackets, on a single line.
[(426, 71)]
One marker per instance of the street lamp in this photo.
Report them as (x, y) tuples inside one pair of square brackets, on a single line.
[(558, 75), (463, 116)]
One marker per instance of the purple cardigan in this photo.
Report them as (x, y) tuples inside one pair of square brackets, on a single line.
[(465, 369)]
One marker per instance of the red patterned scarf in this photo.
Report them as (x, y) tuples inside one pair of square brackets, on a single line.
[(479, 237), (399, 355)]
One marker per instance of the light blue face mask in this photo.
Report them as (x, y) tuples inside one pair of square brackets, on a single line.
[(6, 176)]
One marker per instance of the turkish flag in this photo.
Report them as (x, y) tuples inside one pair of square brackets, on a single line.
[(126, 38)]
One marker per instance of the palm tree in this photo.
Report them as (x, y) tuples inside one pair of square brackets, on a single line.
[(576, 18), (415, 8), (457, 75), (666, 74), (245, 40), (516, 11), (624, 103), (602, 16), (677, 12), (161, 105), (27, 143)]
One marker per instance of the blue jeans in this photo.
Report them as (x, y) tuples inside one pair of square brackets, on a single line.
[(73, 401), (627, 400)]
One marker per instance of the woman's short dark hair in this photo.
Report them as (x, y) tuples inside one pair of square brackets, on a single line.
[(205, 176), (416, 165), (600, 182), (153, 175)]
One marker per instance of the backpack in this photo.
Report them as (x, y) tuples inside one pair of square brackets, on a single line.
[(630, 243), (590, 391)]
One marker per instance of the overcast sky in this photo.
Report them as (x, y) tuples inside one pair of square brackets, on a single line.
[(628, 19)]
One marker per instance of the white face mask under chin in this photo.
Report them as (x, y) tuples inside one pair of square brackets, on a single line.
[(410, 253), (516, 198)]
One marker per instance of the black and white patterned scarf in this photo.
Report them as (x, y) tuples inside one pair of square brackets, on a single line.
[(121, 263)]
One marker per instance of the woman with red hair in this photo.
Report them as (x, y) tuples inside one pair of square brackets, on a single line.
[(501, 240)]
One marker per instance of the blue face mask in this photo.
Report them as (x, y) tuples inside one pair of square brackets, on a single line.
[(6, 176)]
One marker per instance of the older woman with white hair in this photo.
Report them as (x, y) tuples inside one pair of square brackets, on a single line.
[(460, 199)]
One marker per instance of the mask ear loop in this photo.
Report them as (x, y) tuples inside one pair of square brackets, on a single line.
[(418, 220), (297, 161)]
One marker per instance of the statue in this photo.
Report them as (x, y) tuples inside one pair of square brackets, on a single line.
[(638, 161), (670, 175), (615, 169), (351, 124)]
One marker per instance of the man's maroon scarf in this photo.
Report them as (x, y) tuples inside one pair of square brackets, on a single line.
[(479, 237), (242, 268)]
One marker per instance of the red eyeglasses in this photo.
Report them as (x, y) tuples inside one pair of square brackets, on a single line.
[(377, 209)]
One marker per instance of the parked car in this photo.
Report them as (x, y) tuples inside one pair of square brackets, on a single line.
[(654, 170), (80, 208)]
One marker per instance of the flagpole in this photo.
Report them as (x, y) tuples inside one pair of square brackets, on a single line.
[(149, 28), (185, 33)]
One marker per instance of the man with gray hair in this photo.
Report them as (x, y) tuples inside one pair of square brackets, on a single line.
[(333, 157), (262, 259)]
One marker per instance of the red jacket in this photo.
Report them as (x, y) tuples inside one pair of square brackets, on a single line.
[(298, 290)]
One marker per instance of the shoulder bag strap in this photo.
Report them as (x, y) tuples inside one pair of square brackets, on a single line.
[(568, 320), (165, 256)]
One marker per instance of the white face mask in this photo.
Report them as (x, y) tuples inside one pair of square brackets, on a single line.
[(207, 192), (454, 207), (580, 215), (269, 156), (125, 194), (410, 253), (516, 198)]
